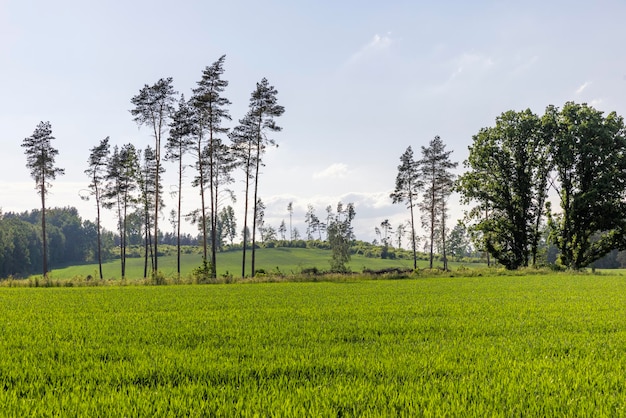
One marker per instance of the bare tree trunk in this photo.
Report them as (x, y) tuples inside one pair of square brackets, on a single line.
[(180, 191), (414, 244), (256, 189), (43, 228), (245, 225), (213, 204), (98, 232)]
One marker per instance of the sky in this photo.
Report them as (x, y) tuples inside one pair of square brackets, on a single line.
[(360, 82)]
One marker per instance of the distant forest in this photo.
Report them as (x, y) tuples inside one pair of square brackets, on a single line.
[(71, 240)]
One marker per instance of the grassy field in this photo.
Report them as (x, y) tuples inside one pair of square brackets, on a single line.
[(286, 260), (544, 345)]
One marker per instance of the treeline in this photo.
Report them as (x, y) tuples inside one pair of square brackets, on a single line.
[(70, 240)]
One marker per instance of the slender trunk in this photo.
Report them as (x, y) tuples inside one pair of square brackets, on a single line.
[(245, 225), (146, 227), (155, 266), (432, 224), (202, 199), (98, 233), (180, 191), (216, 185), (43, 227), (245, 213), (256, 189), (413, 232), (213, 202), (147, 246), (443, 234), (123, 239), (487, 217), (120, 228), (157, 177)]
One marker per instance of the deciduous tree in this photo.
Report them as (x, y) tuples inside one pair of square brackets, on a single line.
[(341, 236), (589, 154), (508, 167)]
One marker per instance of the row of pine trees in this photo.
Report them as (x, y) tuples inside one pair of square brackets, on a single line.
[(123, 178)]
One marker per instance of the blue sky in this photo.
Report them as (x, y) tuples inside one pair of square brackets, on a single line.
[(360, 82)]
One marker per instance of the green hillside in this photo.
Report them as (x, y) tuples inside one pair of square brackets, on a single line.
[(287, 260)]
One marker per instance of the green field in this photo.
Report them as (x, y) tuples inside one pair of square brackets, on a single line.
[(285, 260), (544, 345)]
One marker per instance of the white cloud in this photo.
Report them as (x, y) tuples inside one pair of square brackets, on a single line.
[(471, 63), (583, 87), (377, 44), (334, 171)]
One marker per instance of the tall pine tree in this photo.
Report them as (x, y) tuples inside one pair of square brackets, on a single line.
[(212, 109), (40, 158), (98, 160), (154, 106), (435, 170), (408, 186)]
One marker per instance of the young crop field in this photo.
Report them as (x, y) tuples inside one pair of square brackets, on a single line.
[(543, 345)]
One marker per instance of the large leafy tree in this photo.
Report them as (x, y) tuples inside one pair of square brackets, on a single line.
[(98, 160), (508, 168), (154, 106), (212, 109), (408, 186), (589, 153), (40, 160), (435, 170)]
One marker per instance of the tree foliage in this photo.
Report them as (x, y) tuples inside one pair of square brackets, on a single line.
[(154, 106), (508, 167), (435, 171), (589, 154), (408, 186), (96, 172), (40, 159), (180, 142), (341, 236), (122, 176), (212, 165)]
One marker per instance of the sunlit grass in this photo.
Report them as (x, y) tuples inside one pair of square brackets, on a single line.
[(545, 345)]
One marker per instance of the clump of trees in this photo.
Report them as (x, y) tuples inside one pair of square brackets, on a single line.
[(128, 180), (575, 151), (431, 175)]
